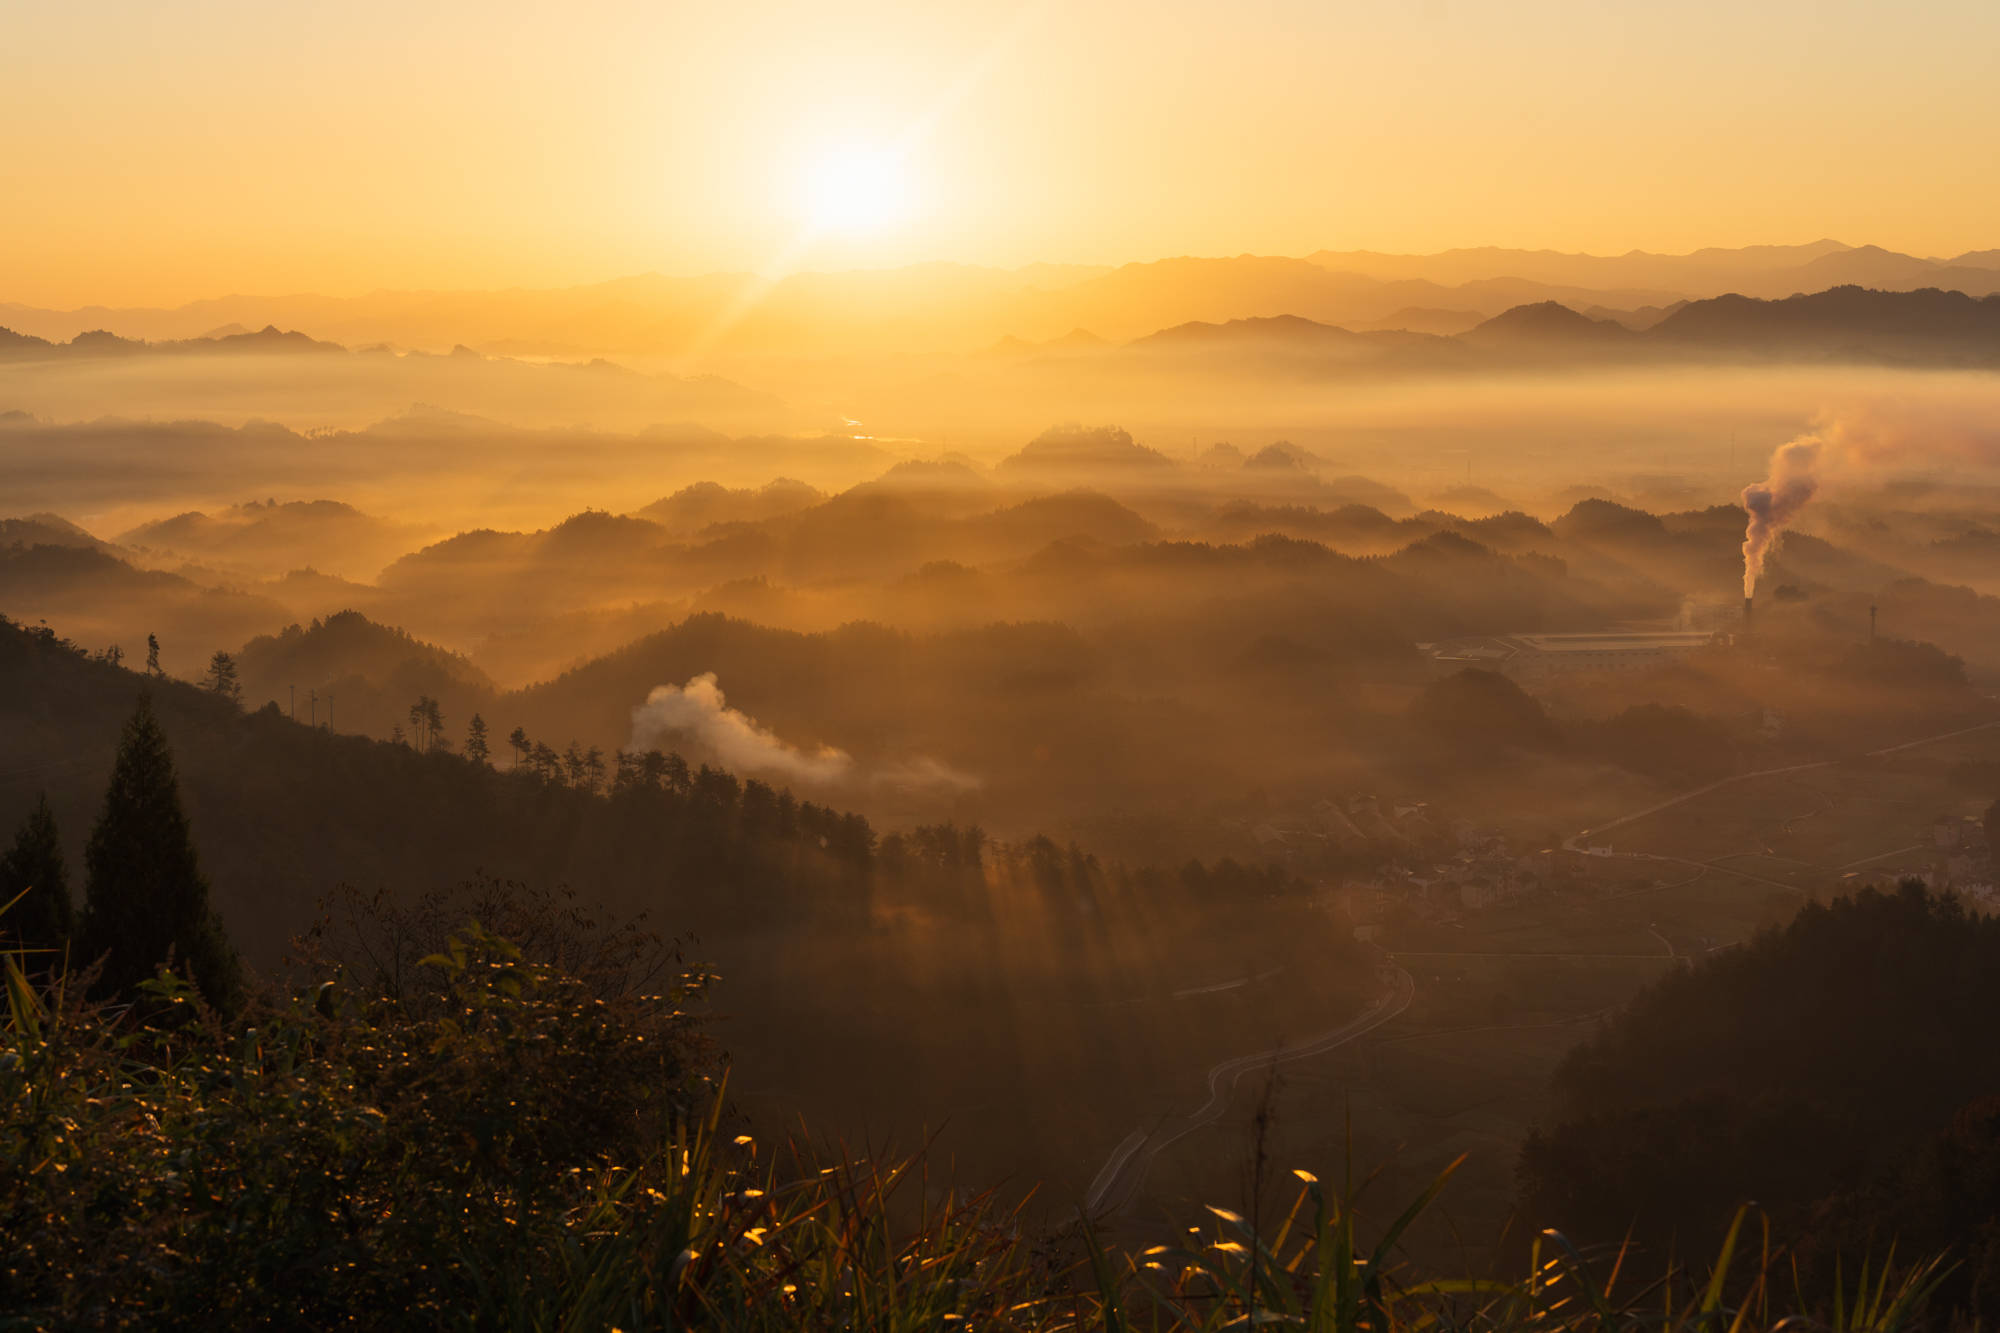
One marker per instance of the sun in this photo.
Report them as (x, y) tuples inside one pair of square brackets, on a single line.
[(857, 190)]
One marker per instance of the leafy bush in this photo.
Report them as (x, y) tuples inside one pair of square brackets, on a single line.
[(332, 1156), (519, 1151)]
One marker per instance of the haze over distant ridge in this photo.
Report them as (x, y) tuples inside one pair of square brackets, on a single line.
[(953, 307)]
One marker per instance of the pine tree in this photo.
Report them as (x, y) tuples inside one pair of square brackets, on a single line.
[(146, 898), (475, 741), (32, 878), (221, 677), (518, 738), (153, 655), (544, 762)]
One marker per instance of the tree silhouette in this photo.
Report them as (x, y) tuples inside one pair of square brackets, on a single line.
[(427, 725), (518, 738), (33, 880), (475, 741), (146, 899), (544, 762), (221, 677), (153, 655)]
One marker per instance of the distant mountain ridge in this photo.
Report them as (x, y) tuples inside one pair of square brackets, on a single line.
[(99, 342), (1758, 270), (1927, 327), (957, 307)]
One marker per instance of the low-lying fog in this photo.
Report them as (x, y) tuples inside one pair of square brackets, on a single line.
[(458, 442), (1227, 628)]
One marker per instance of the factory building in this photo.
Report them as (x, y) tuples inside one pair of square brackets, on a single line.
[(1530, 657)]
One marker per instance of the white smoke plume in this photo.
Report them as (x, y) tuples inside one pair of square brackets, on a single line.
[(1774, 502), (698, 709), (1856, 442)]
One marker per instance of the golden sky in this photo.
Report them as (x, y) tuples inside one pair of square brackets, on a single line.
[(158, 151)]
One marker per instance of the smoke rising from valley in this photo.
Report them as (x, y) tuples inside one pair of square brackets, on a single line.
[(1867, 442), (1774, 502), (698, 710)]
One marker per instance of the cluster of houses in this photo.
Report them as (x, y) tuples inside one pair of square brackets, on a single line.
[(1406, 856), (1955, 855)]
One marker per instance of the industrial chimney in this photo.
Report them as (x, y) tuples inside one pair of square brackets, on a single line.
[(1748, 604)]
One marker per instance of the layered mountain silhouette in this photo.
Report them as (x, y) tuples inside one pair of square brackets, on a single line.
[(965, 308), (1930, 326), (266, 341), (1758, 270), (1927, 327), (325, 534)]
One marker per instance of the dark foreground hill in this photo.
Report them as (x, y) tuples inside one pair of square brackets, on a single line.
[(1840, 1072), (848, 958), (285, 813)]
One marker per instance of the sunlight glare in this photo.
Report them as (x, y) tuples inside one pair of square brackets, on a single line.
[(857, 190)]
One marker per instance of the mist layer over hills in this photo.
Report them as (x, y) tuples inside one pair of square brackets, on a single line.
[(1182, 737)]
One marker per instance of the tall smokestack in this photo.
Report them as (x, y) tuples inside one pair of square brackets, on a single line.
[(1749, 604)]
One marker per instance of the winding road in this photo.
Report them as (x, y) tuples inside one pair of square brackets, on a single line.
[(1571, 843), (1125, 1170)]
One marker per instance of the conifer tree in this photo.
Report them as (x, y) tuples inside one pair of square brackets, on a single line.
[(146, 897), (33, 879), (475, 741), (221, 677), (426, 724)]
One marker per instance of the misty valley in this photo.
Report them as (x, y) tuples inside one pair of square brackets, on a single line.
[(696, 816)]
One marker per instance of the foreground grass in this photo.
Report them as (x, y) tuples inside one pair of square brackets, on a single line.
[(509, 1148)]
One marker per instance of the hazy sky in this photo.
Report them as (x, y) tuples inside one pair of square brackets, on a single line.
[(159, 150)]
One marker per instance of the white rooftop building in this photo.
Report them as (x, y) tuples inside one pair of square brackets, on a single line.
[(1539, 656)]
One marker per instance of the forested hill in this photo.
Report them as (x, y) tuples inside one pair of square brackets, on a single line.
[(283, 812), (847, 960)]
